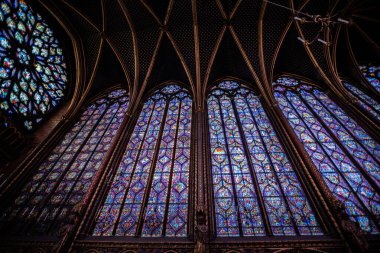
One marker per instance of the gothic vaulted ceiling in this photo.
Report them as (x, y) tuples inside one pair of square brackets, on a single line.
[(141, 43)]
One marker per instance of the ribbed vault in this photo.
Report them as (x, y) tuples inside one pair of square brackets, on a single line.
[(206, 40)]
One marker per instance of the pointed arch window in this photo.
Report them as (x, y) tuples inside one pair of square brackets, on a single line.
[(372, 74), (256, 190), (364, 100), (66, 175), (32, 66), (149, 193), (345, 155)]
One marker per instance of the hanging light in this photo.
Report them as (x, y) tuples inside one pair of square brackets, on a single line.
[(341, 20), (303, 18)]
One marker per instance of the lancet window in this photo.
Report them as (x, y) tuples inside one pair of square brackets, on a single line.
[(345, 155)]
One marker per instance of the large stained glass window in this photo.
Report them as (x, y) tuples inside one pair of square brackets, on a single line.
[(149, 193), (365, 101), (32, 66), (256, 191), (66, 175), (346, 156), (372, 74)]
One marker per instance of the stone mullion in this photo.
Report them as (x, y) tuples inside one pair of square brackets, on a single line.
[(208, 177), (101, 183), (151, 171), (201, 222), (328, 205), (192, 175), (338, 143), (62, 176), (272, 167), (290, 149), (99, 140), (361, 116), (312, 178), (11, 187), (109, 168), (167, 205)]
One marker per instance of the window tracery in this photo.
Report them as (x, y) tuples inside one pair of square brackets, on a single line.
[(256, 190), (345, 155), (372, 74), (364, 100), (65, 176), (149, 194), (32, 66)]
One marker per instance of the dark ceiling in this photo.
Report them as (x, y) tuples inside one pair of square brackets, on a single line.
[(141, 43)]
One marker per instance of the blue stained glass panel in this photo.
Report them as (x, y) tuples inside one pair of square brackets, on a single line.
[(239, 126), (33, 75), (149, 192), (372, 74), (365, 101), (338, 146), (67, 174)]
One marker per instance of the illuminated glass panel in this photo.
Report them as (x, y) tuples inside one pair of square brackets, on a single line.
[(372, 74), (341, 150), (32, 67), (66, 175), (253, 180), (149, 194), (365, 101)]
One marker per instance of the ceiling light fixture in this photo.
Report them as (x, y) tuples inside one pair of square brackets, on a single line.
[(305, 18)]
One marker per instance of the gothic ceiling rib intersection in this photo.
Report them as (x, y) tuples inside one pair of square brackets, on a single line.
[(144, 42)]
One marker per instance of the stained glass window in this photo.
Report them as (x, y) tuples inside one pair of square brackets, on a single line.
[(149, 193), (365, 101), (256, 191), (345, 155), (372, 74), (66, 175), (32, 67)]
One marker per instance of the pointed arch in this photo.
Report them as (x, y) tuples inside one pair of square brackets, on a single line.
[(64, 177), (345, 155), (149, 193), (256, 191)]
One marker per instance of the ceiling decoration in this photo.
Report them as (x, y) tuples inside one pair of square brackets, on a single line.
[(198, 41), (180, 28), (223, 64), (120, 38), (88, 32), (289, 62), (91, 8)]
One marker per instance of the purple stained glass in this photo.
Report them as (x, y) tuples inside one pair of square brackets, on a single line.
[(149, 193), (66, 175), (340, 149), (362, 147), (238, 126), (372, 74), (32, 66), (365, 101)]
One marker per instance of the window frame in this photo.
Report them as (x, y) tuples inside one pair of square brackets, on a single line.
[(343, 106), (290, 156), (120, 153), (63, 131)]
